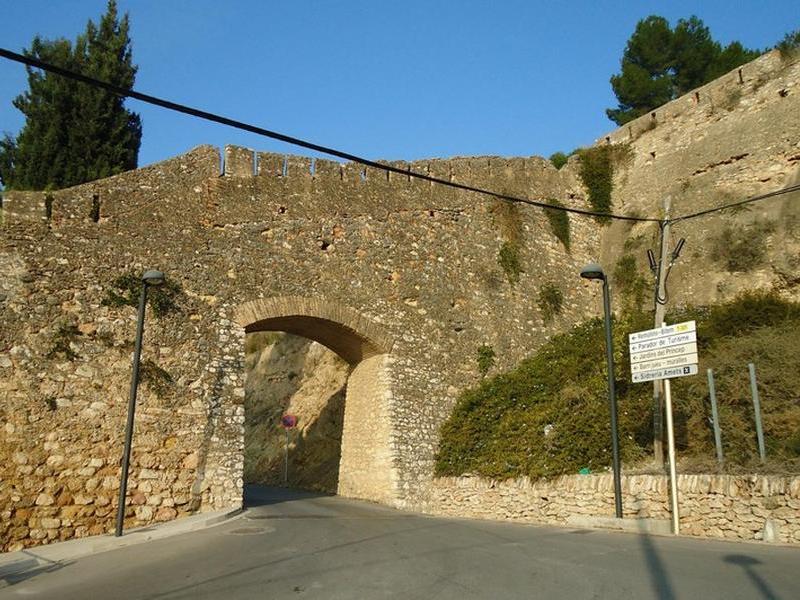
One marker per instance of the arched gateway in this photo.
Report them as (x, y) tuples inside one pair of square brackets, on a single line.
[(367, 467)]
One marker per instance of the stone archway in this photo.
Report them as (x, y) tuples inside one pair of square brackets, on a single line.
[(367, 467)]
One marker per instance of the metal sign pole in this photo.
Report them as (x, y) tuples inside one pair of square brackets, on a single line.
[(757, 406), (660, 310), (715, 415), (612, 399), (286, 459), (673, 477)]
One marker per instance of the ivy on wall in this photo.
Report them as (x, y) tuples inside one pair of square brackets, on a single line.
[(485, 359), (551, 301), (559, 222), (509, 222), (125, 291), (596, 171)]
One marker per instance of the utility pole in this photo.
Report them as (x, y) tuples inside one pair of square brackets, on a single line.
[(661, 307)]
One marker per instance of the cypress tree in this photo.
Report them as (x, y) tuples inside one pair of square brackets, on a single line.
[(74, 132)]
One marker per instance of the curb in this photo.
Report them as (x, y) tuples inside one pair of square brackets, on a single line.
[(646, 526), (54, 555)]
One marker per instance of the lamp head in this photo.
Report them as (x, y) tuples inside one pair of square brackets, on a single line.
[(153, 278), (593, 271)]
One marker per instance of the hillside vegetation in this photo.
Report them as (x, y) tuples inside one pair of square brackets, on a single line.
[(549, 416)]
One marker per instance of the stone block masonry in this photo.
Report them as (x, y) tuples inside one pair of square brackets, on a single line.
[(723, 506), (400, 277)]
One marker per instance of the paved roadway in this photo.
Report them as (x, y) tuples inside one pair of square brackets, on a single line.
[(294, 545)]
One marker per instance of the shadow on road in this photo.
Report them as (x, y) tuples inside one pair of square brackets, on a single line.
[(21, 570), (662, 586), (748, 563), (259, 495)]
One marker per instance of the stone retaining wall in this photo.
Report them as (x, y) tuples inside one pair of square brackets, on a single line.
[(750, 507)]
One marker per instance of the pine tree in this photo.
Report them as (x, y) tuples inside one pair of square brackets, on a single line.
[(74, 132), (660, 63)]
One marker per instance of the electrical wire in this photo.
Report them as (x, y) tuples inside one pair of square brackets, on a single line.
[(786, 190), (131, 93)]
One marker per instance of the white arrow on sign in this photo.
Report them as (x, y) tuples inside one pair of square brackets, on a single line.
[(664, 373), (665, 352), (662, 331), (664, 363), (663, 342)]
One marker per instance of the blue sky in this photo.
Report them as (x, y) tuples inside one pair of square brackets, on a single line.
[(385, 80)]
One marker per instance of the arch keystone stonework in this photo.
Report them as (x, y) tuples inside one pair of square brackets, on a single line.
[(368, 463)]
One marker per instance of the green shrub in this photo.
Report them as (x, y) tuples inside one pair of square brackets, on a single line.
[(634, 242), (731, 99), (789, 46), (550, 302), (507, 219), (64, 335), (257, 341), (630, 282), (126, 289), (508, 258), (742, 248), (559, 159), (485, 359), (549, 415), (157, 379), (773, 350), (747, 312), (597, 174), (559, 222)]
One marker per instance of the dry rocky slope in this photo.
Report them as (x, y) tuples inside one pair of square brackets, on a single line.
[(288, 374), (401, 278)]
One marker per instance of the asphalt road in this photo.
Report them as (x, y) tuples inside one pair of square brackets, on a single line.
[(294, 545)]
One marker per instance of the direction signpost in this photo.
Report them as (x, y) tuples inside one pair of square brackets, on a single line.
[(287, 422), (661, 354)]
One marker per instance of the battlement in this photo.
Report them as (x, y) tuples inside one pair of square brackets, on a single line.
[(246, 162), (237, 175), (113, 196), (723, 94)]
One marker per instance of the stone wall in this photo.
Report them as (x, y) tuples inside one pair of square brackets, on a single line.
[(722, 506), (734, 138), (412, 267)]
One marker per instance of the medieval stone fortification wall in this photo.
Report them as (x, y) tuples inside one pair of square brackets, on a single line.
[(734, 138), (400, 277), (373, 265)]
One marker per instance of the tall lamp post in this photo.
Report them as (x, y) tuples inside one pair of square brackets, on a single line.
[(150, 278), (595, 271)]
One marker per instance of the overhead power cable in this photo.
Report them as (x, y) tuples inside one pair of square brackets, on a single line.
[(131, 93), (786, 190)]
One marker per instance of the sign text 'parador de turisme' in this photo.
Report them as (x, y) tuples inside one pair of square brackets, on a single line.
[(664, 352)]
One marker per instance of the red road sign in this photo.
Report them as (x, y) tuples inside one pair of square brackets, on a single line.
[(288, 421)]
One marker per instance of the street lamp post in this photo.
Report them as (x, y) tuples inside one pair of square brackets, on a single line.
[(595, 271), (150, 278)]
